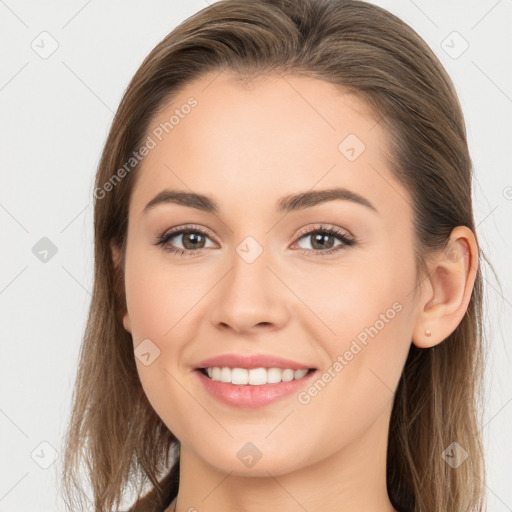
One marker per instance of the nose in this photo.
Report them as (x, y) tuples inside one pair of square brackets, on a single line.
[(251, 297)]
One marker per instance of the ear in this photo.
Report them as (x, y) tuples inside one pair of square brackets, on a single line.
[(446, 291), (116, 258)]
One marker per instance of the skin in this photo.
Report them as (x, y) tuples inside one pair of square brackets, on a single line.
[(247, 145)]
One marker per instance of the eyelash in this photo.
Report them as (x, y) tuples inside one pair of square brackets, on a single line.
[(330, 230)]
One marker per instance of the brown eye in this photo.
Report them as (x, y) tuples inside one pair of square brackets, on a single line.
[(192, 241), (323, 240)]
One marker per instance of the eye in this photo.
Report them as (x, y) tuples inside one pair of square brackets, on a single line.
[(322, 238), (193, 239)]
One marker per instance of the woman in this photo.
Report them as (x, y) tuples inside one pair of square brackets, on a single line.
[(287, 299)]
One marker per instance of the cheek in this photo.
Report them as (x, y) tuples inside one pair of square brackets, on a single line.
[(370, 324), (355, 295), (366, 323), (158, 295), (160, 301)]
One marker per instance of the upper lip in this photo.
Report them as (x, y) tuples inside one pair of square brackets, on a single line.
[(251, 361)]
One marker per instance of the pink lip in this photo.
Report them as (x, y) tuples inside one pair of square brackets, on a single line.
[(253, 361), (251, 396)]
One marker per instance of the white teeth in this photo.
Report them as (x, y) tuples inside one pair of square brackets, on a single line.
[(300, 373), (225, 375), (257, 376), (288, 375), (254, 376), (238, 376), (274, 375)]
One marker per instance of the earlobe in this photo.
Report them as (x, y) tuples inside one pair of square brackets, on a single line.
[(126, 322), (116, 253), (116, 258), (447, 290)]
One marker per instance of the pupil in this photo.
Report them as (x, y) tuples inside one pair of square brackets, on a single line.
[(192, 239), (319, 241)]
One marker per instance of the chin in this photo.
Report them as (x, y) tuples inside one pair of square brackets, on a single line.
[(243, 463)]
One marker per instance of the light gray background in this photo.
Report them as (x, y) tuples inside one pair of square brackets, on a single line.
[(56, 112)]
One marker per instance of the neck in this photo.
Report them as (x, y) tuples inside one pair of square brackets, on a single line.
[(352, 479)]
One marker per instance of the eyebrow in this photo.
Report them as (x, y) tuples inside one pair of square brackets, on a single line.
[(285, 204)]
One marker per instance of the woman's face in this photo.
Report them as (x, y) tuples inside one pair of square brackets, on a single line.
[(262, 279)]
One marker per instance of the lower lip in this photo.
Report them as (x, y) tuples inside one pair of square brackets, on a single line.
[(252, 396)]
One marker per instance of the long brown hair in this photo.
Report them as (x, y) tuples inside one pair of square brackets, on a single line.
[(114, 433)]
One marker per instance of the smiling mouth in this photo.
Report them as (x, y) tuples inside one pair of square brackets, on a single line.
[(254, 376)]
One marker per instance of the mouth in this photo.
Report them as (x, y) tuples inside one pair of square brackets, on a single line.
[(252, 380), (254, 376), (253, 387)]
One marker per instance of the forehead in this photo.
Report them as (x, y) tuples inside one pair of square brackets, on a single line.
[(268, 136), (270, 111)]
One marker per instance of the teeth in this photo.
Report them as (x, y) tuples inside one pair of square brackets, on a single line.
[(225, 375), (274, 375), (254, 376), (287, 375), (238, 375), (298, 374)]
